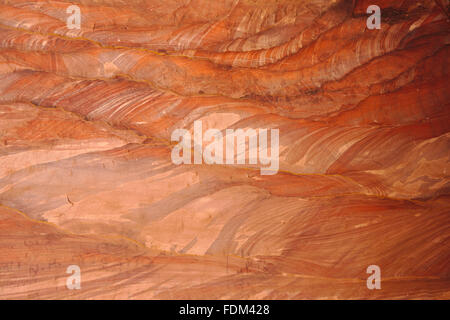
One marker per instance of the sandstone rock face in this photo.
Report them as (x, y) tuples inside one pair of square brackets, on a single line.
[(87, 177)]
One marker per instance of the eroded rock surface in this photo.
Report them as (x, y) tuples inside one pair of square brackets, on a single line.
[(86, 176)]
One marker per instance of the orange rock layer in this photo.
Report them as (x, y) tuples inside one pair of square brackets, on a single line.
[(86, 176)]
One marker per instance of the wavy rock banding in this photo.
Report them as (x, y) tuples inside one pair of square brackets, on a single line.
[(86, 176)]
